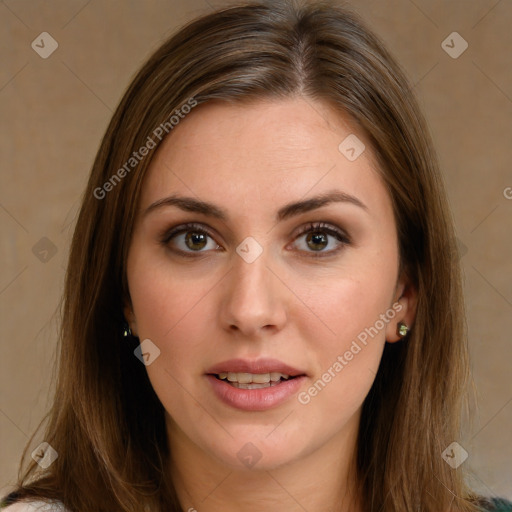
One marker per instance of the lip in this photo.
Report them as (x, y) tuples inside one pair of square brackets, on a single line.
[(255, 399), (258, 366)]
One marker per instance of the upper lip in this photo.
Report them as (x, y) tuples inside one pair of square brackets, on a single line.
[(256, 366)]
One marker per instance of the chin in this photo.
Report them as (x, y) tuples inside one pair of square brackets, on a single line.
[(259, 450)]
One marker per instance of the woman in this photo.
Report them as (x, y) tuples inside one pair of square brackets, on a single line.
[(263, 306)]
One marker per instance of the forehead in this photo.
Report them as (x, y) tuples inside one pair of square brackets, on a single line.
[(268, 151)]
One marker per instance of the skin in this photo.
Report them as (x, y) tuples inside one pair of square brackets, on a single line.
[(250, 160)]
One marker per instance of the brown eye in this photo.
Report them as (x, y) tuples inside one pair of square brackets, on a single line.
[(195, 240), (317, 241), (188, 239), (321, 239)]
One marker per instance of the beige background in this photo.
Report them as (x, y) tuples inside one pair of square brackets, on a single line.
[(55, 110)]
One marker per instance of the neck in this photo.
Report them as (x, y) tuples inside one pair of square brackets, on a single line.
[(323, 479)]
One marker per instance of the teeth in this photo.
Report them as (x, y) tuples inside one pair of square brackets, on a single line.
[(243, 378)]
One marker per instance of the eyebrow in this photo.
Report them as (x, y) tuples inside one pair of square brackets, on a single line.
[(191, 204)]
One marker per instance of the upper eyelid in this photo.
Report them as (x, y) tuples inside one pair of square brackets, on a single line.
[(322, 225), (183, 228)]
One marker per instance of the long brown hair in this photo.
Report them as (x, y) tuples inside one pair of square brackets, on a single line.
[(106, 423)]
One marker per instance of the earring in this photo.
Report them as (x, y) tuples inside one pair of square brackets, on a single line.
[(127, 332), (402, 329)]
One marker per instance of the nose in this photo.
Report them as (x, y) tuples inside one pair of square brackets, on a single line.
[(254, 299)]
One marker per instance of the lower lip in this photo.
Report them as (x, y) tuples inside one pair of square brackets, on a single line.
[(255, 399)]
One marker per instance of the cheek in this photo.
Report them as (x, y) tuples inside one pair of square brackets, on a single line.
[(171, 309), (346, 307), (348, 342), (162, 297)]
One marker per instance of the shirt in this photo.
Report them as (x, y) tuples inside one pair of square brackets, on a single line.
[(35, 506)]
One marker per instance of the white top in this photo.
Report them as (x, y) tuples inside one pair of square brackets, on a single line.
[(35, 506)]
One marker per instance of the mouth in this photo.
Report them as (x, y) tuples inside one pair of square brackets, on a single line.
[(245, 380), (254, 385), (263, 372)]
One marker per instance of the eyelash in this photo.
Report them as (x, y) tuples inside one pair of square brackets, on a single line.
[(311, 227)]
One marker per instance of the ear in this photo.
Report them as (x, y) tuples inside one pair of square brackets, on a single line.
[(129, 315), (405, 303)]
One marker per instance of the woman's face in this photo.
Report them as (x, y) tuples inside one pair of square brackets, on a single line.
[(270, 279)]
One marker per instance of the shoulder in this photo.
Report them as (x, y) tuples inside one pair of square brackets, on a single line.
[(35, 506)]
